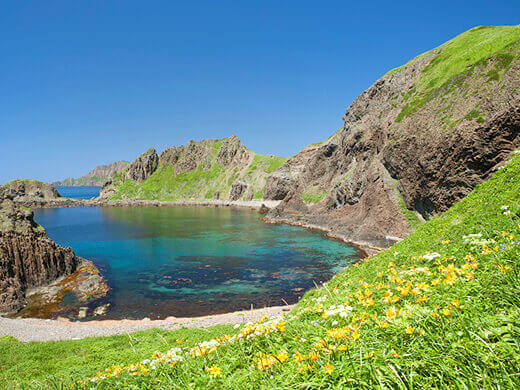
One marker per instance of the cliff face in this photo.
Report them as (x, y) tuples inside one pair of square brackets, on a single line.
[(28, 258), (95, 178), (209, 169), (20, 190), (417, 141)]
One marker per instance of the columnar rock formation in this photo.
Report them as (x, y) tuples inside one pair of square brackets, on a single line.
[(28, 258)]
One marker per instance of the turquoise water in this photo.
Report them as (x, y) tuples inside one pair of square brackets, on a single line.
[(190, 261), (79, 192)]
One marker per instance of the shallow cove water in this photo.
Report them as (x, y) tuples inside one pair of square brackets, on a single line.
[(193, 261)]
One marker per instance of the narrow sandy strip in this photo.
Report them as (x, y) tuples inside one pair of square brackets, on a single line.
[(32, 329)]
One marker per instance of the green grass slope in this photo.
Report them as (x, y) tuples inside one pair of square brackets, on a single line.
[(438, 310), (53, 364), (457, 59), (200, 183)]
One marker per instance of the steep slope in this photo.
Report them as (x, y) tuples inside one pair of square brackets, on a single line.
[(413, 144), (441, 309), (209, 169), (95, 178)]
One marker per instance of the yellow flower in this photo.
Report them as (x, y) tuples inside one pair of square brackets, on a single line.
[(391, 313), (455, 304), (446, 242), (504, 268), (422, 299), (383, 324), (328, 368), (215, 371), (446, 312), (394, 353), (298, 358), (282, 356), (314, 355), (342, 347), (409, 329), (368, 355)]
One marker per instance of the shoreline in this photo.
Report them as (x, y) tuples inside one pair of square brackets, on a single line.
[(362, 246), (128, 325), (96, 202), (37, 329)]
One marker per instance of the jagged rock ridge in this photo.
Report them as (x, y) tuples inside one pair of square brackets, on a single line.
[(208, 169)]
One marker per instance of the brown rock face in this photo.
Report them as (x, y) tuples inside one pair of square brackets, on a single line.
[(238, 189), (430, 157), (143, 167), (27, 257), (30, 189)]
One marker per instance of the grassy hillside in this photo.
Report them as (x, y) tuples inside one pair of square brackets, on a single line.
[(458, 59), (209, 177), (439, 309)]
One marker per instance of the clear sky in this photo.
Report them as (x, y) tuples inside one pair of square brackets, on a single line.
[(86, 83)]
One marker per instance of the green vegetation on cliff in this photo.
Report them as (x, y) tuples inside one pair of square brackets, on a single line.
[(170, 182), (459, 58)]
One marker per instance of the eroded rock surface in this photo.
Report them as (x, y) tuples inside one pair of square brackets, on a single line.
[(28, 258), (402, 157), (24, 189)]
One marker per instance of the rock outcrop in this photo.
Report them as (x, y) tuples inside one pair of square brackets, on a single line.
[(408, 148), (95, 178), (143, 167), (24, 189), (209, 169), (29, 259)]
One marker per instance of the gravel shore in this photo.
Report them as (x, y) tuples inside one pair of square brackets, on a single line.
[(32, 329)]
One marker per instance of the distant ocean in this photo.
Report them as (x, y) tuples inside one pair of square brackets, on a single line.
[(79, 192)]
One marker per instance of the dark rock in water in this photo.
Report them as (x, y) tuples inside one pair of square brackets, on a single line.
[(29, 189), (238, 188), (28, 258), (143, 167), (263, 209)]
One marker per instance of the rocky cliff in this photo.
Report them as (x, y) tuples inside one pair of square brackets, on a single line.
[(29, 259), (24, 189), (95, 178), (418, 140), (208, 169)]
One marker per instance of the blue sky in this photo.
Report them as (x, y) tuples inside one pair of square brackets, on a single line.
[(90, 82)]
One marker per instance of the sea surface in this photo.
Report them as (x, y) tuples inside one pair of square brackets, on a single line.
[(79, 192), (192, 261)]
